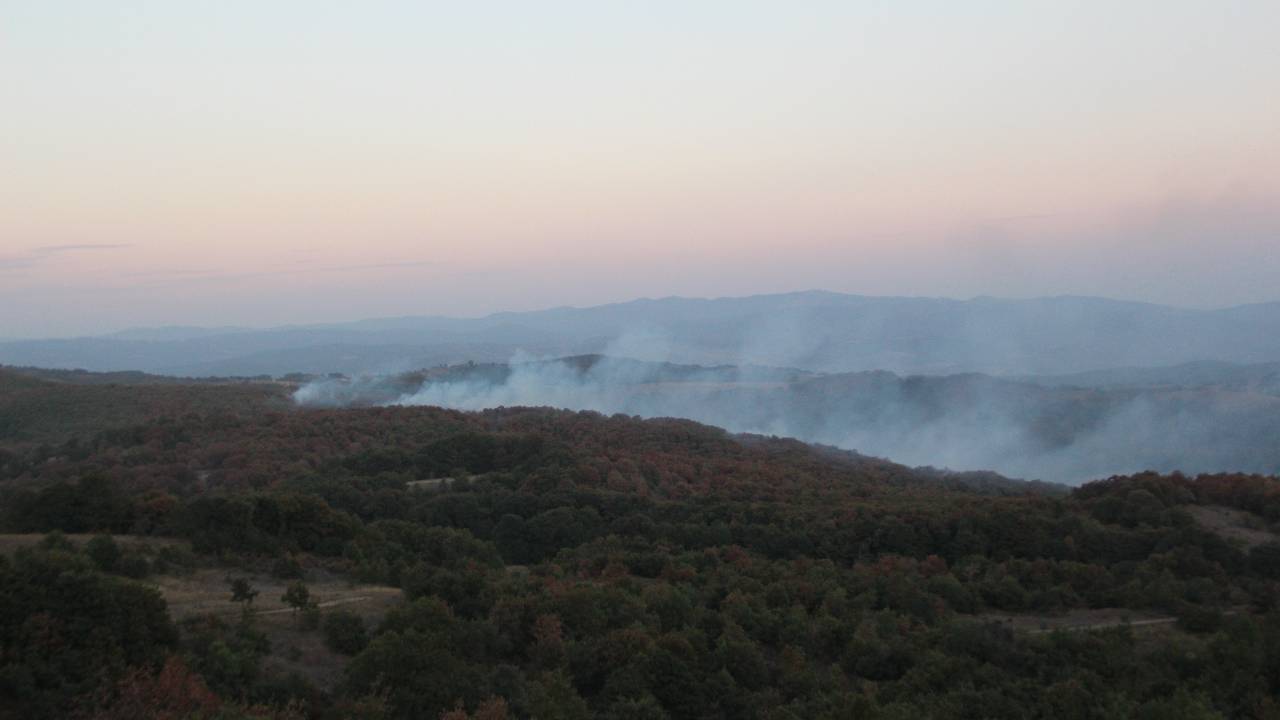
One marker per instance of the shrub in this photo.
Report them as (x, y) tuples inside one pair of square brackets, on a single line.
[(134, 565), (309, 618), (287, 568), (344, 632), (104, 552)]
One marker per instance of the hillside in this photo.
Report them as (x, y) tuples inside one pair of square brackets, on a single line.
[(572, 564), (1257, 377), (39, 406)]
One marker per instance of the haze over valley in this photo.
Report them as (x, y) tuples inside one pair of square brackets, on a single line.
[(1061, 389), (1034, 428)]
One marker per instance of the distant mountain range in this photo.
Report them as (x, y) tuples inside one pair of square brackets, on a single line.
[(813, 331)]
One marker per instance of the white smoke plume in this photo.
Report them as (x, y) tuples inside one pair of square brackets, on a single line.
[(960, 422)]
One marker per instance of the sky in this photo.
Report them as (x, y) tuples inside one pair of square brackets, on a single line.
[(260, 162)]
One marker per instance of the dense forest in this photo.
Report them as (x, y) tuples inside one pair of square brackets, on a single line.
[(553, 564)]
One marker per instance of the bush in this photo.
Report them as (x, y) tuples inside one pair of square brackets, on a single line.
[(1265, 560), (344, 632), (1197, 618), (287, 568), (134, 565), (242, 591), (104, 552), (56, 540), (296, 596), (174, 559), (309, 617)]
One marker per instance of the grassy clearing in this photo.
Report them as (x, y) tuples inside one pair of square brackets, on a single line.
[(1234, 525), (1078, 620), (293, 649), (11, 542), (206, 591)]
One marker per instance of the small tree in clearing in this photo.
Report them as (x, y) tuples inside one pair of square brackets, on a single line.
[(242, 592), (296, 596)]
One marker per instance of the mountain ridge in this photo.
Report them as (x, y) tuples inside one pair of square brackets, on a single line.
[(813, 330)]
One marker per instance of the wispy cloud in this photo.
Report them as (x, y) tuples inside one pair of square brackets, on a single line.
[(166, 273), (59, 249), (381, 265), (196, 275), (1018, 218), (36, 255)]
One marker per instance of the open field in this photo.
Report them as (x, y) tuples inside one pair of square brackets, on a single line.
[(293, 650), (9, 542), (206, 591), (1078, 620), (1237, 525)]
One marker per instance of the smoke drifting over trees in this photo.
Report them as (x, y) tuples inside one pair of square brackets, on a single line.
[(1062, 388), (1032, 429)]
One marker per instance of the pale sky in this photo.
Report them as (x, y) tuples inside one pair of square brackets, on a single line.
[(275, 161)]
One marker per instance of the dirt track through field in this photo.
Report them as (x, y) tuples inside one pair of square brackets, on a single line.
[(1107, 625), (1079, 620), (325, 604)]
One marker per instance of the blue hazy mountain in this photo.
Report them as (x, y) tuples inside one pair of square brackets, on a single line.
[(816, 331)]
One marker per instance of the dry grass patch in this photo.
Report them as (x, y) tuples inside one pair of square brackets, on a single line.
[(1079, 620), (208, 591), (294, 650), (1235, 525), (9, 543)]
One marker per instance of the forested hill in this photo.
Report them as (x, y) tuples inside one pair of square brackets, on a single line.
[(49, 406), (557, 564), (52, 407)]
